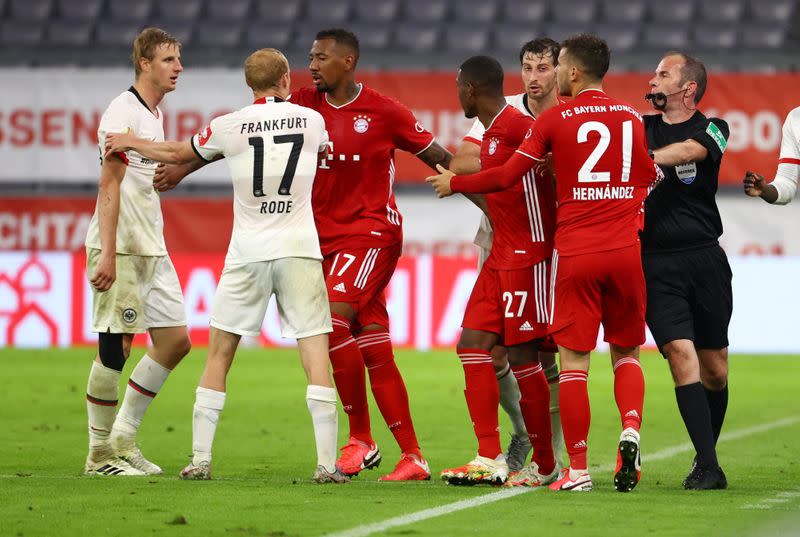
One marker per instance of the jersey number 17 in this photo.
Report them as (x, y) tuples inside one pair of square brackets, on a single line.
[(291, 164)]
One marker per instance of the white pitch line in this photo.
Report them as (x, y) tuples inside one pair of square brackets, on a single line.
[(433, 512)]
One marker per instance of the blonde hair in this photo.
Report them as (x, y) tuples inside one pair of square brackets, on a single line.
[(264, 68), (146, 43)]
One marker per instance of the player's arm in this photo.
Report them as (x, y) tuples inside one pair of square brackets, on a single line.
[(111, 174), (680, 153), (435, 155), (486, 181), (168, 176), (166, 152), (783, 188), (467, 159)]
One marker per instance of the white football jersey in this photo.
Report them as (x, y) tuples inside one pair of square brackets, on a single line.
[(272, 151), (140, 227), (789, 161), (484, 236)]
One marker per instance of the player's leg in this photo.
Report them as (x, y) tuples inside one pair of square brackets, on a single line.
[(209, 401), (575, 314), (624, 305), (389, 390), (520, 445), (166, 319), (575, 419), (116, 317), (629, 396), (535, 405), (482, 395), (302, 300), (547, 357)]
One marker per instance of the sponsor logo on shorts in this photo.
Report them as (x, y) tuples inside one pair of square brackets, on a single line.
[(340, 287), (129, 315), (526, 327)]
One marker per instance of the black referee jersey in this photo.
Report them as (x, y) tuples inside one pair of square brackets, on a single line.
[(681, 212)]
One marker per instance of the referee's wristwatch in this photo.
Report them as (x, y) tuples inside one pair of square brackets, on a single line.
[(651, 154)]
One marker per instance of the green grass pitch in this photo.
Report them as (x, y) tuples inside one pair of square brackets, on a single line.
[(264, 456)]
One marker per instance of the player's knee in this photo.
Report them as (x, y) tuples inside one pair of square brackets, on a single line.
[(476, 339), (183, 347), (111, 350)]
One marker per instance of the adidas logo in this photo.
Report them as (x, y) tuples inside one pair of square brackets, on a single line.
[(632, 414), (526, 327), (340, 287), (580, 445)]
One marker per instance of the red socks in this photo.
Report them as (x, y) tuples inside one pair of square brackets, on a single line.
[(348, 373), (535, 406), (388, 388), (629, 391), (483, 397), (573, 400)]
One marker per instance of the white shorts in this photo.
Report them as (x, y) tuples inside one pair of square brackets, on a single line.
[(244, 290), (146, 294)]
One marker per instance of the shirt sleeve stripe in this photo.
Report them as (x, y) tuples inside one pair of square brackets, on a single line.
[(787, 160), (198, 152), (529, 156), (471, 139), (426, 147)]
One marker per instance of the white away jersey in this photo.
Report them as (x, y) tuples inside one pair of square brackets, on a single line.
[(790, 142), (272, 151), (140, 227)]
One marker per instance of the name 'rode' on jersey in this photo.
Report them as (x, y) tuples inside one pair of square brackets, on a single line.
[(272, 150), (354, 204), (602, 169)]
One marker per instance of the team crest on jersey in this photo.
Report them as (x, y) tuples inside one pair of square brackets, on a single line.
[(686, 172), (493, 145), (361, 124), (205, 134)]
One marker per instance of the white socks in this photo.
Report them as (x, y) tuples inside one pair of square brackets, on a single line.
[(145, 382), (322, 406), (555, 416), (208, 404), (102, 393), (509, 400)]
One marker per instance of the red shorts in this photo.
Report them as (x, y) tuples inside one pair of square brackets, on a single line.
[(510, 303), (358, 277), (604, 287)]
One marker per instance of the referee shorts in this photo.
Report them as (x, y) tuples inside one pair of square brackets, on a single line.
[(689, 296)]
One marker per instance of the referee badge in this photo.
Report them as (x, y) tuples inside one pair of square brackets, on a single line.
[(686, 172)]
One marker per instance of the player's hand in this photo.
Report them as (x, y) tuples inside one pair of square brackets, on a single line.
[(441, 182), (168, 176), (118, 142), (754, 184), (545, 166), (105, 273)]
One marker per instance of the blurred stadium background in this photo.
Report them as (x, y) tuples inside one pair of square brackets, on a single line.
[(62, 61)]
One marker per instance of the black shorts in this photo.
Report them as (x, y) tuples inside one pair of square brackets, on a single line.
[(689, 296)]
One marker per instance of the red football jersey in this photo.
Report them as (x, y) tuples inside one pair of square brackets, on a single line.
[(602, 168), (602, 171), (353, 195), (523, 216)]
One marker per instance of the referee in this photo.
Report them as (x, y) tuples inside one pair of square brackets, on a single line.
[(689, 297)]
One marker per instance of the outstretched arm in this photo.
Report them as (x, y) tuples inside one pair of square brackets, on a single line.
[(680, 153), (166, 152), (780, 191), (435, 154)]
